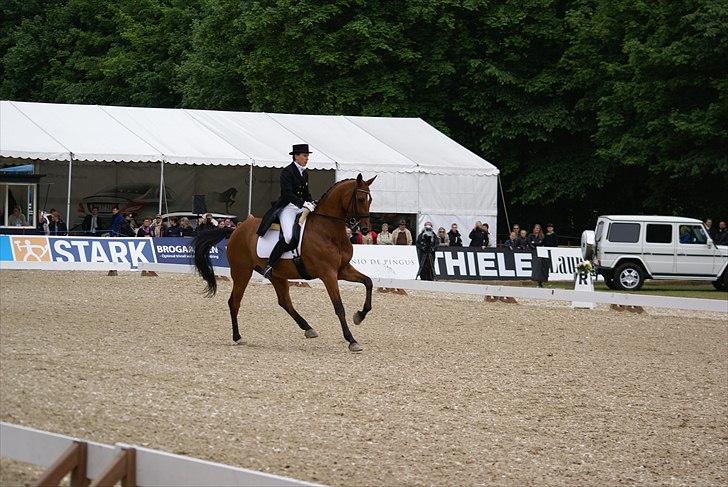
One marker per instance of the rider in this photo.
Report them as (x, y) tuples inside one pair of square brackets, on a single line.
[(294, 196)]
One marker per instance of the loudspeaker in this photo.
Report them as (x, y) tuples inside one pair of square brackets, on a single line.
[(199, 205)]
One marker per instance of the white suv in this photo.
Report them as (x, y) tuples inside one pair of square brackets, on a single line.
[(629, 249)]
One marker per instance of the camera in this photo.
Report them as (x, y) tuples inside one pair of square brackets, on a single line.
[(428, 241)]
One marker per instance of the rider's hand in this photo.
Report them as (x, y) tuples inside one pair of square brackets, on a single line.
[(309, 205)]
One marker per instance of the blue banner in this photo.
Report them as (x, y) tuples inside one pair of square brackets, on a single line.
[(6, 252), (178, 250)]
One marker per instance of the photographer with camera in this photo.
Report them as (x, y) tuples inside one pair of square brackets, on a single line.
[(426, 244)]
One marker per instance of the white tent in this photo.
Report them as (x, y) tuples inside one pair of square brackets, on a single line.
[(420, 170)]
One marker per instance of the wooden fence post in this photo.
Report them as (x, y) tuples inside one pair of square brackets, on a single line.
[(122, 467), (72, 460)]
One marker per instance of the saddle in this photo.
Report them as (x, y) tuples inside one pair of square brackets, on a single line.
[(274, 234)]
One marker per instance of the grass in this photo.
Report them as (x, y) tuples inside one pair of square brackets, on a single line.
[(682, 289)]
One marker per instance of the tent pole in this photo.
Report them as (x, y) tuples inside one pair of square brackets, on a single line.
[(68, 199), (503, 198), (250, 189), (161, 186)]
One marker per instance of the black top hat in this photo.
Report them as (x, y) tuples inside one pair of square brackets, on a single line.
[(300, 149)]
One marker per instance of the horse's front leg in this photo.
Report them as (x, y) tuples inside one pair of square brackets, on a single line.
[(350, 274), (332, 286)]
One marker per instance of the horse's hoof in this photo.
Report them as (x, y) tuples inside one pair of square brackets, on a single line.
[(358, 317), (311, 333), (239, 341), (355, 347)]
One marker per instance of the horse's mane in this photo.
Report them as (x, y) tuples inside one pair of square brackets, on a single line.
[(336, 184)]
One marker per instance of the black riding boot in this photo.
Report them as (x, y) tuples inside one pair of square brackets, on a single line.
[(275, 256)]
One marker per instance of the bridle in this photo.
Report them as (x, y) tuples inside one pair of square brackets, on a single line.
[(353, 221)]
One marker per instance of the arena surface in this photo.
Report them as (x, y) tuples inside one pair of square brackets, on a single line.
[(448, 391)]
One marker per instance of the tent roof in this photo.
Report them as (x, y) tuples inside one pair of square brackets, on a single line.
[(419, 141), (20, 137), (106, 133)]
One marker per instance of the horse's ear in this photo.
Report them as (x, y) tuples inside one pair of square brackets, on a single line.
[(369, 183), (359, 180)]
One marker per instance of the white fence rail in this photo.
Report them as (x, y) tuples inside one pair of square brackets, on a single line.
[(153, 468), (624, 299)]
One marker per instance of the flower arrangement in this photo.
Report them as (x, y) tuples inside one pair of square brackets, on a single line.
[(586, 267)]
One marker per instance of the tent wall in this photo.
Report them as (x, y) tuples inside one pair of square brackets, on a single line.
[(135, 186)]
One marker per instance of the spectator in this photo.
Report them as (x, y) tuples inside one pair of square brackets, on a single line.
[(186, 228), (456, 240), (722, 236), (384, 237), (92, 223), (426, 245), (443, 240), (478, 236), (486, 227), (512, 242), (684, 234), (146, 230), (159, 228), (56, 225), (401, 235), (132, 223), (17, 219), (523, 241), (116, 221), (550, 239), (366, 237), (516, 228), (712, 232), (173, 230), (229, 223), (207, 223), (126, 229), (43, 223), (536, 237)]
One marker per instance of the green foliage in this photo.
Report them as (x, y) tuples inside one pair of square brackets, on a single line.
[(586, 106)]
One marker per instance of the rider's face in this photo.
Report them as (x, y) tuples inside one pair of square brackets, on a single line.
[(301, 159)]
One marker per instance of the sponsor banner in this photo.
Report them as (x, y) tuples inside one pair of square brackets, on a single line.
[(382, 261), (86, 252), (173, 250), (6, 251), (503, 264)]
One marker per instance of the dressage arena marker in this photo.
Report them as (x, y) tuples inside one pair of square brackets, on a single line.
[(131, 465), (624, 299)]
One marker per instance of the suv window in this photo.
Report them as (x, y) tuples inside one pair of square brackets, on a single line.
[(658, 233), (692, 234), (624, 232), (600, 230)]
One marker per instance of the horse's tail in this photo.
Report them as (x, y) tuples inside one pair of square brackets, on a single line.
[(202, 244)]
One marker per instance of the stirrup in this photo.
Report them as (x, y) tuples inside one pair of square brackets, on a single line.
[(268, 272)]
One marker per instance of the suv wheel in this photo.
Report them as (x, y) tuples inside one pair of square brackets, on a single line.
[(609, 281), (629, 277), (722, 283)]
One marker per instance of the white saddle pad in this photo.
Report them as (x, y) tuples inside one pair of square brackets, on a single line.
[(270, 239)]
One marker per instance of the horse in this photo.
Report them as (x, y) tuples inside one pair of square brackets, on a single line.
[(325, 248)]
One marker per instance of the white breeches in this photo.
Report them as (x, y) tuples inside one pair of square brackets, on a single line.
[(287, 219)]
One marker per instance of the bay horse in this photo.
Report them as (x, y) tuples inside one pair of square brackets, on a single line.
[(326, 251)]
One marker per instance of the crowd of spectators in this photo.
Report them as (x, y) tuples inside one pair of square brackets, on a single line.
[(125, 225)]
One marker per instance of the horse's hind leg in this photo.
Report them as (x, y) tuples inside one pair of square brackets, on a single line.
[(241, 278), (332, 286), (350, 274), (284, 300)]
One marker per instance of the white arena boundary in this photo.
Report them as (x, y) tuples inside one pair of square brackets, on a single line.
[(624, 299), (153, 468)]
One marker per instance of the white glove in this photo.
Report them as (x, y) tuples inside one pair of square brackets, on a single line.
[(309, 206)]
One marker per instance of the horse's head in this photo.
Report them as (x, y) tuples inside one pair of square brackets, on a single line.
[(360, 200), (348, 201)]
